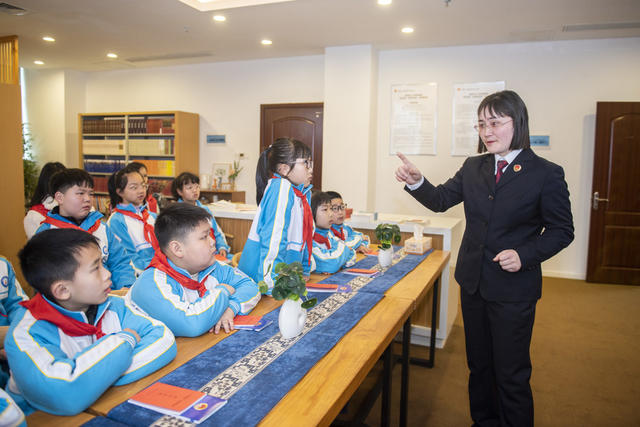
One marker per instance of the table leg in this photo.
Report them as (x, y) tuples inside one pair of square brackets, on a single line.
[(385, 416), (428, 363), (404, 384)]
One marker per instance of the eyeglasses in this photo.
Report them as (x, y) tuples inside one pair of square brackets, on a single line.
[(192, 187), (338, 208), (136, 187), (307, 162), (492, 124)]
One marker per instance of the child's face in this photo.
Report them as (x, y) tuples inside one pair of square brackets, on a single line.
[(190, 192), (324, 216), (301, 172), (144, 174), (338, 210), (75, 202), (136, 190), (92, 282), (198, 249)]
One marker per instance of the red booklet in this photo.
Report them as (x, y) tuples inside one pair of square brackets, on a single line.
[(161, 395)]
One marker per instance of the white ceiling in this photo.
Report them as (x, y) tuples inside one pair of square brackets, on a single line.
[(175, 33)]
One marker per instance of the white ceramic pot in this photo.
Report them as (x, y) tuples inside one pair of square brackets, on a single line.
[(385, 256), (291, 318)]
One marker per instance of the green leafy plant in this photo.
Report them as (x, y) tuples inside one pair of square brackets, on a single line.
[(236, 170), (387, 234), (289, 284), (29, 165)]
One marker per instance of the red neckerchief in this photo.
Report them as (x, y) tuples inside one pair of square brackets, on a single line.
[(64, 224), (322, 239), (213, 236), (339, 234), (152, 204), (307, 222), (40, 209), (160, 262), (149, 235), (42, 310)]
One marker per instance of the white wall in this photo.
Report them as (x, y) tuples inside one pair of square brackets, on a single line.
[(74, 103), (559, 81), (227, 95)]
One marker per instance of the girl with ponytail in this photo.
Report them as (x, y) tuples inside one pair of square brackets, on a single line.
[(282, 230)]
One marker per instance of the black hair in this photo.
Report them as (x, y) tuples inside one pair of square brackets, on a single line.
[(118, 181), (282, 151), (318, 199), (508, 103), (137, 166), (52, 255), (177, 220), (65, 179), (181, 180), (43, 190), (334, 194)]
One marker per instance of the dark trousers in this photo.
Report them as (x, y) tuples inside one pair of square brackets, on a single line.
[(498, 336)]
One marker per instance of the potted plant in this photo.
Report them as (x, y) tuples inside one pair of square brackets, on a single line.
[(387, 234), (290, 286), (234, 174)]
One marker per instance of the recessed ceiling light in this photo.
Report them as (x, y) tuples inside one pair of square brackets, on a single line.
[(266, 42), (384, 2), (407, 30), (219, 18), (111, 55), (38, 62), (48, 39)]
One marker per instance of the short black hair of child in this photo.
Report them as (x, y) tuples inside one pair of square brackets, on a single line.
[(334, 195), (318, 199), (181, 180), (175, 221), (51, 255), (65, 179)]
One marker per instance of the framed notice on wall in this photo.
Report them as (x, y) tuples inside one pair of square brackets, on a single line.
[(413, 119), (466, 98)]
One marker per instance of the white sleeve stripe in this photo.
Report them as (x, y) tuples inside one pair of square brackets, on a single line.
[(189, 309), (276, 233)]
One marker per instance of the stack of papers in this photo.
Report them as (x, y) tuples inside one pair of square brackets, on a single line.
[(327, 287), (189, 405), (366, 272), (251, 323)]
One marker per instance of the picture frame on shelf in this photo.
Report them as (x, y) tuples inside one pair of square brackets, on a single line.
[(221, 172)]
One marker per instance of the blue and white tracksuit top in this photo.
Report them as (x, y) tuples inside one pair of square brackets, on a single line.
[(353, 239), (330, 260), (130, 231), (115, 257), (221, 240), (183, 310), (63, 375), (276, 232), (10, 413), (11, 294)]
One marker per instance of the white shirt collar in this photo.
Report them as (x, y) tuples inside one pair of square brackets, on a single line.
[(509, 158)]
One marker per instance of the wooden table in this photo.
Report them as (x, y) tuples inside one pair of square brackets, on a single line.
[(44, 419)]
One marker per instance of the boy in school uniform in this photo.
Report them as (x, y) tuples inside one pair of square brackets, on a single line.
[(184, 286), (329, 253), (354, 239), (74, 340), (72, 189), (11, 295)]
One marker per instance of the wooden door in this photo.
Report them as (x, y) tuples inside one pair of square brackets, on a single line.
[(299, 121), (614, 236)]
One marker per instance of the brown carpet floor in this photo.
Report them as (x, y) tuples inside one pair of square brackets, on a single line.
[(586, 363)]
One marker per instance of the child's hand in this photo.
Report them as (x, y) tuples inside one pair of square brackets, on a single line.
[(230, 288), (222, 252), (363, 249), (134, 333), (226, 322), (306, 278)]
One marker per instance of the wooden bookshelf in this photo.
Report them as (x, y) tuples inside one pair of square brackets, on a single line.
[(165, 141)]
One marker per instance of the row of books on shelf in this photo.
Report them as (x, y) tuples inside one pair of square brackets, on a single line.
[(160, 186), (151, 125), (154, 167), (138, 147), (103, 125)]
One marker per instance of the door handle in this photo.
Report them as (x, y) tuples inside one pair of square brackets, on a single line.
[(596, 199)]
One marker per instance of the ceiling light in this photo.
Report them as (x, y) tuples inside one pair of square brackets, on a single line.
[(384, 2), (219, 18), (266, 42), (407, 30), (48, 39), (38, 62), (112, 55)]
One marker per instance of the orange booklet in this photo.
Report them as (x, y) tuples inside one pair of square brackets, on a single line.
[(246, 320), (322, 286), (221, 258), (363, 270), (170, 397)]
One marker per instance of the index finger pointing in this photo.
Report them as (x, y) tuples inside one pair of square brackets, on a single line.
[(403, 158)]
